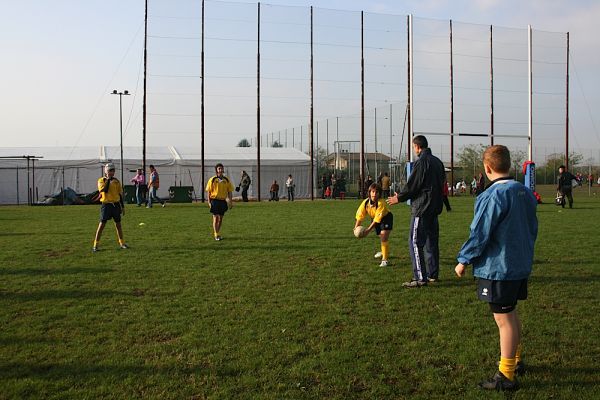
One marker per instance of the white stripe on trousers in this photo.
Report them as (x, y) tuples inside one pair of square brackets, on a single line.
[(416, 250)]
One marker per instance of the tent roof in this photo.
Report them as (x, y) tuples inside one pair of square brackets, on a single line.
[(155, 153)]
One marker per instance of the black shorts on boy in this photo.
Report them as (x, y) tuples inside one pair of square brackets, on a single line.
[(386, 224), (218, 207), (110, 211), (502, 296)]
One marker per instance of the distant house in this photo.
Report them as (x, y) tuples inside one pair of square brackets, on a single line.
[(349, 163)]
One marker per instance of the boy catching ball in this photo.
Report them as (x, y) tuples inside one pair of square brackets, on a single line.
[(500, 248), (111, 197), (382, 220)]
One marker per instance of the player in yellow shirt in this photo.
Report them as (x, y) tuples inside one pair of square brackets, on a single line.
[(111, 197), (382, 220), (219, 189)]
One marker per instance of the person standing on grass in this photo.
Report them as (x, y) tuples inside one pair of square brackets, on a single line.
[(291, 187), (111, 197), (220, 191), (153, 186), (244, 185), (500, 248), (139, 180), (382, 220), (445, 193), (274, 191), (565, 185), (424, 189), (385, 185)]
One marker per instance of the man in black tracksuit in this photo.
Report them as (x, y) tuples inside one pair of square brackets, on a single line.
[(425, 191), (565, 185)]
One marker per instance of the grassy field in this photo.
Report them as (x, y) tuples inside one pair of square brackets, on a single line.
[(288, 306)]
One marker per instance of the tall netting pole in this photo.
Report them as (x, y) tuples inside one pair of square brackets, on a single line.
[(312, 99), (451, 109), (530, 75), (491, 87), (362, 105), (410, 88), (202, 106), (567, 110), (258, 144), (145, 81)]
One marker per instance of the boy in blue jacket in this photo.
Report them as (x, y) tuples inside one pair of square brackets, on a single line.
[(500, 248)]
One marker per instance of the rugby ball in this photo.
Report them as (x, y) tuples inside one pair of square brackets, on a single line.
[(359, 232)]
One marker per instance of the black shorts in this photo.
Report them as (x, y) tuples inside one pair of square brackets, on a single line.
[(218, 207), (110, 211), (502, 295), (386, 224)]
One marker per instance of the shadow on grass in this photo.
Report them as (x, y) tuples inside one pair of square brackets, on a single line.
[(18, 233), (571, 280), (65, 294), (61, 271), (546, 377), (79, 371), (10, 341)]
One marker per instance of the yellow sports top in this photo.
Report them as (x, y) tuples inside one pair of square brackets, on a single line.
[(113, 195), (219, 188), (376, 211)]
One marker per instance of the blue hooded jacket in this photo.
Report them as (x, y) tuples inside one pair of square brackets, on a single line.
[(503, 232)]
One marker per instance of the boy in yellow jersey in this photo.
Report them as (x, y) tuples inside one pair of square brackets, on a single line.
[(111, 197), (382, 220), (219, 189)]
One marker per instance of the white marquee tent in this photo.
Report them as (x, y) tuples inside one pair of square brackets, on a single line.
[(79, 168)]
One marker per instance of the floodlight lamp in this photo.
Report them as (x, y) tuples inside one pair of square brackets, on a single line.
[(126, 92), (114, 91)]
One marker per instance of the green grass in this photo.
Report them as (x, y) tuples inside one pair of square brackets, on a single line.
[(289, 306)]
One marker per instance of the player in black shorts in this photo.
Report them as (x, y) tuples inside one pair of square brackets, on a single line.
[(500, 248)]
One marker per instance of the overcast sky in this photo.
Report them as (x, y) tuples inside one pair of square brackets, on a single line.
[(61, 58)]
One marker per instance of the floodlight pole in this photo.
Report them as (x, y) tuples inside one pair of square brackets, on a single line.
[(121, 94)]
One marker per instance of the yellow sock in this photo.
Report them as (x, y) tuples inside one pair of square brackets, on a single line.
[(121, 242), (384, 250), (507, 367), (96, 243), (518, 353)]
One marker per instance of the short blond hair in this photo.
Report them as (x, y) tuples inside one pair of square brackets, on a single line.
[(498, 158)]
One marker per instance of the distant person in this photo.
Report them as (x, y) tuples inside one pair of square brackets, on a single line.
[(424, 190), (382, 220), (333, 186), (474, 186), (480, 184), (291, 187), (367, 185), (274, 191), (500, 248), (139, 180), (153, 185), (220, 191), (385, 185), (565, 185), (244, 186), (324, 185), (445, 192), (113, 206)]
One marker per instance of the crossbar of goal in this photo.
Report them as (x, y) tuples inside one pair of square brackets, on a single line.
[(465, 134)]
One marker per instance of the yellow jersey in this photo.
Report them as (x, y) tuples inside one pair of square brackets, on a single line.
[(219, 188), (376, 211), (114, 192)]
